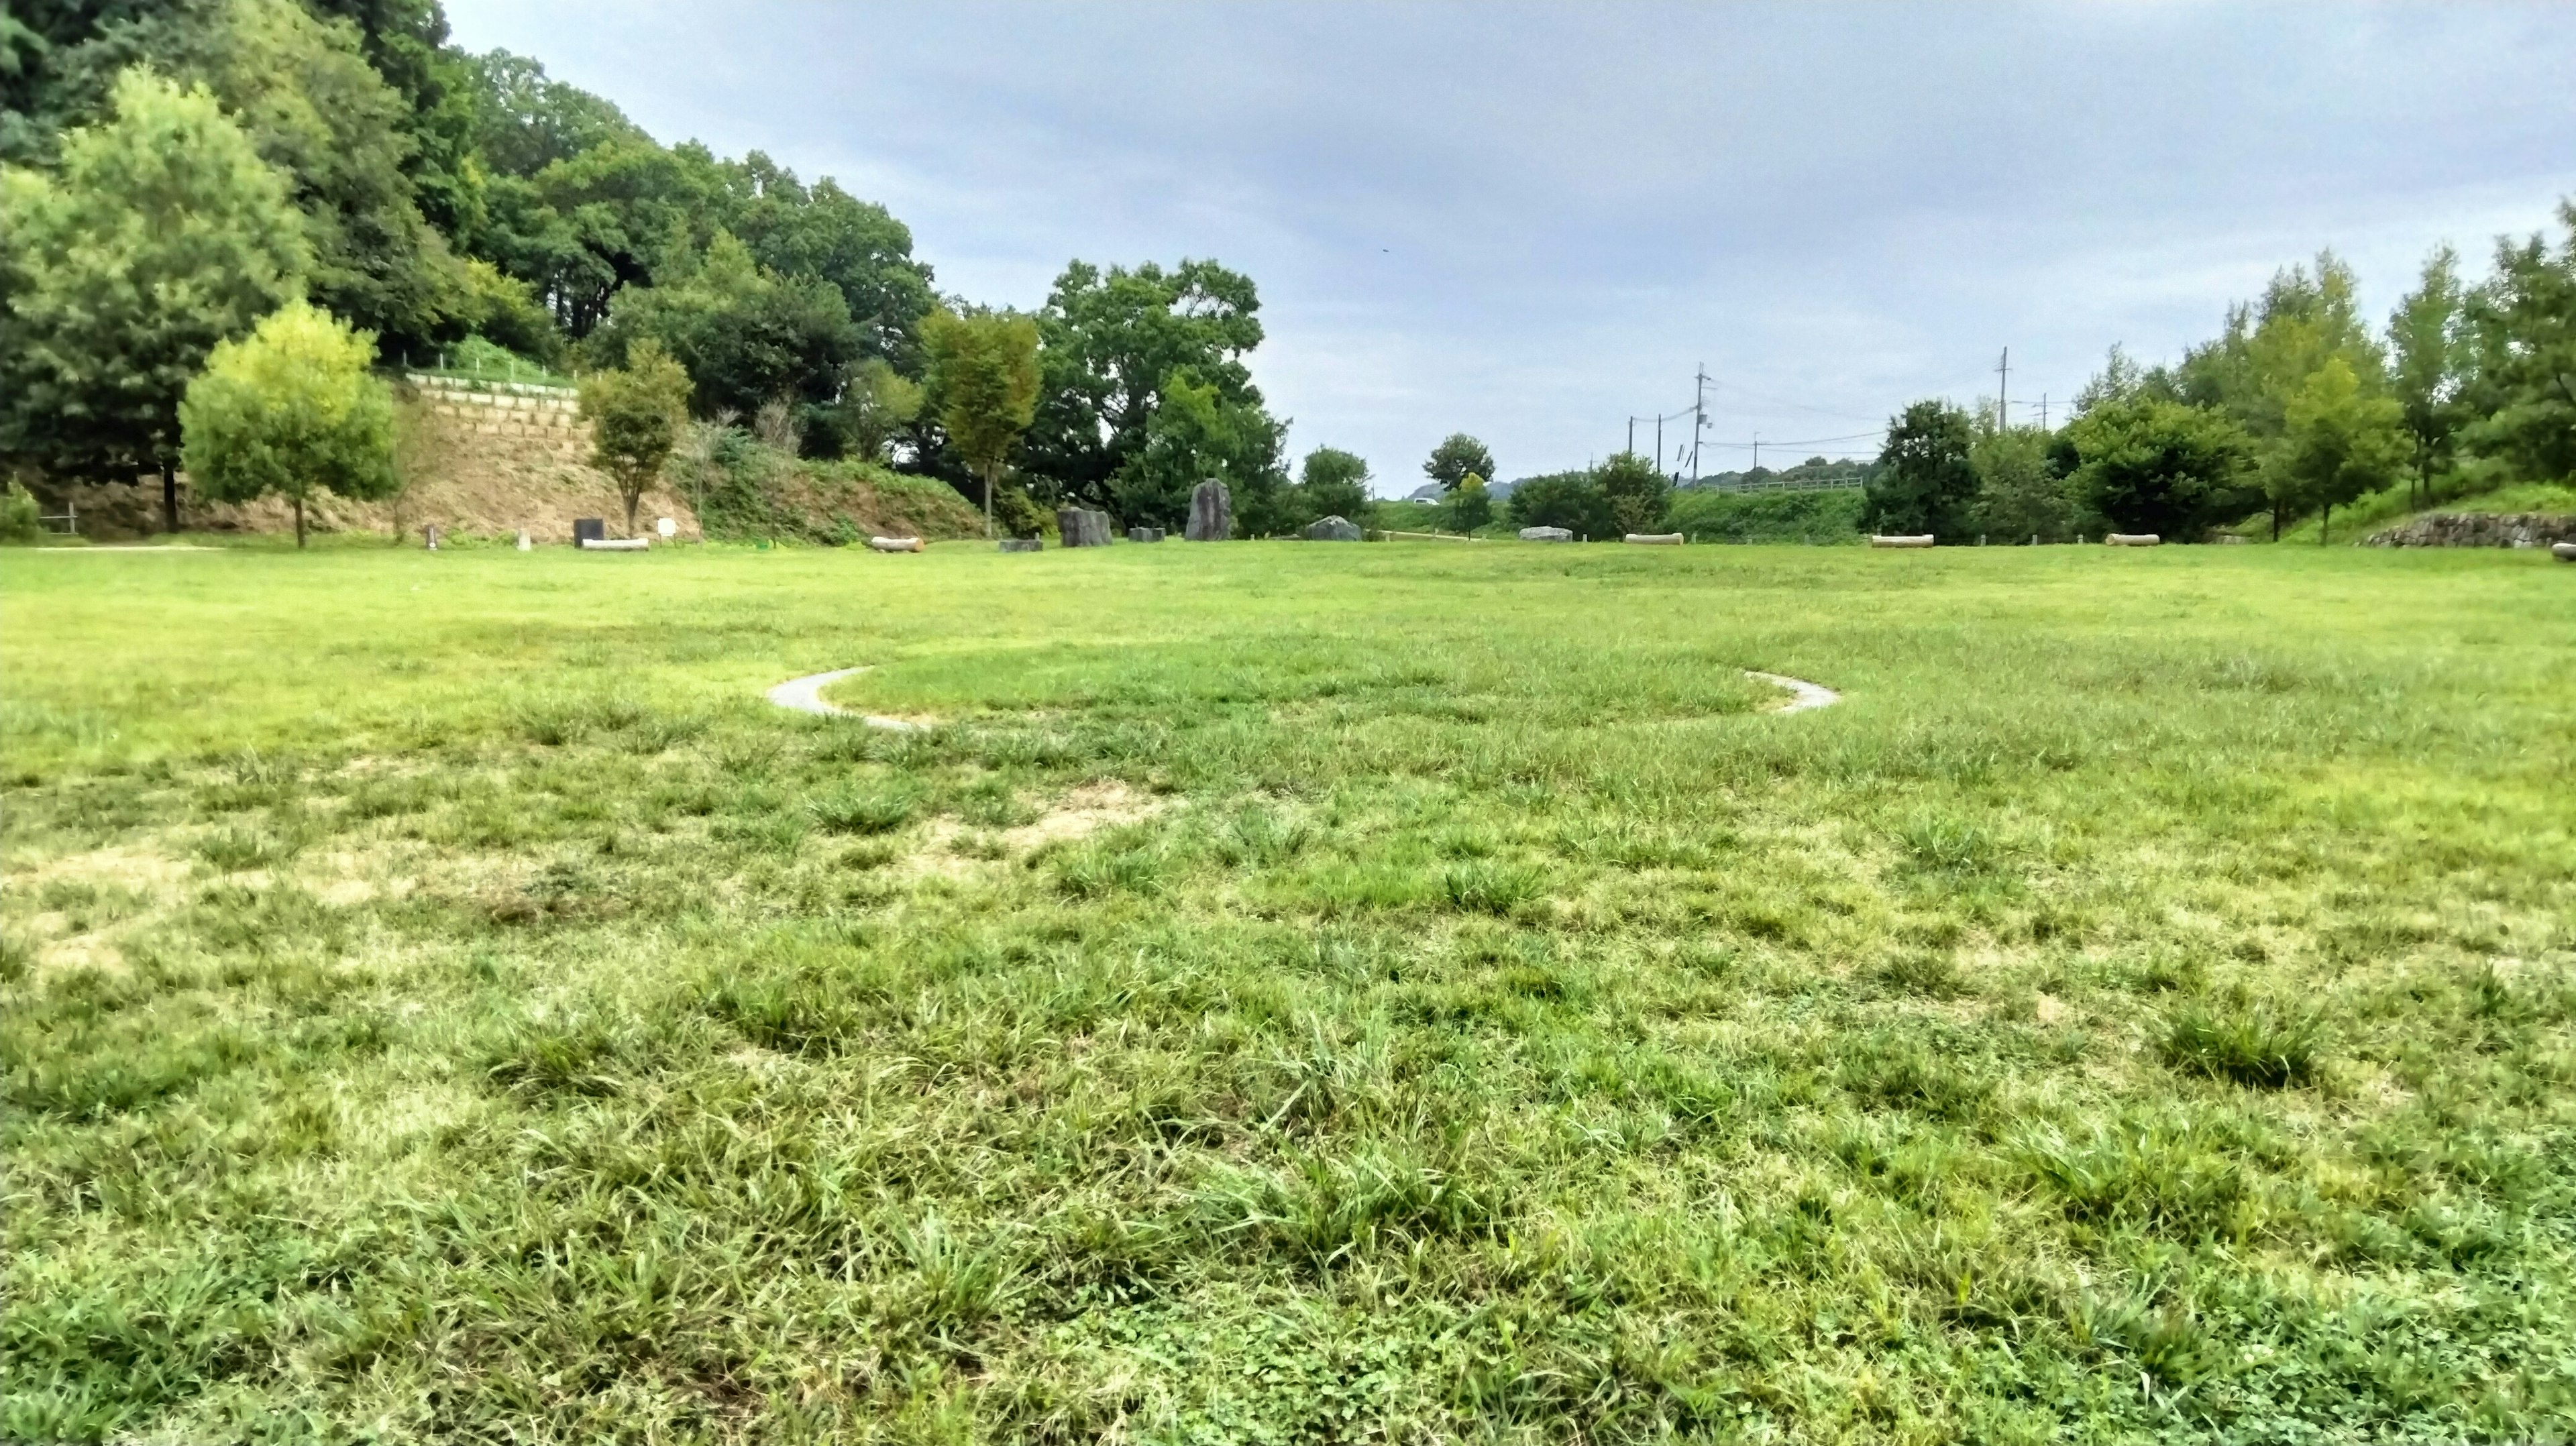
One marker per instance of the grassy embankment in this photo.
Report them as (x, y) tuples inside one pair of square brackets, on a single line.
[(1302, 992)]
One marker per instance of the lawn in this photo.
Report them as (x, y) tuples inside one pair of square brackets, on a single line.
[(1293, 993)]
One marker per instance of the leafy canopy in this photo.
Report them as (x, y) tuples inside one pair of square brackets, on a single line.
[(163, 235), (291, 411), (2147, 464), (1926, 480), (984, 382), (1636, 490), (1458, 457)]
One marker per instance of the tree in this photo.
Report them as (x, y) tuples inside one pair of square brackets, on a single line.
[(2523, 387), (2020, 491), (292, 411), (2339, 442), (984, 379), (876, 403), (1113, 340), (1335, 484), (1455, 458), (635, 415), (1563, 499), (1468, 505), (2428, 346), (747, 335), (1926, 482), (1636, 489), (1196, 437), (164, 235), (2150, 465)]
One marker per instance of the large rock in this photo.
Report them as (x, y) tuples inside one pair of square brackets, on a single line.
[(1023, 544), (2480, 529), (1082, 527), (1332, 529), (1547, 534), (1144, 534), (1211, 513)]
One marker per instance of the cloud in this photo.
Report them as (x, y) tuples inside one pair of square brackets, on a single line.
[(1531, 221)]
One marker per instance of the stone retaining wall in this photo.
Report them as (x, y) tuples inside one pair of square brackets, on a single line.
[(2479, 529), (545, 418)]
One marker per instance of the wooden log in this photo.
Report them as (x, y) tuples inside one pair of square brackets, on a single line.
[(2563, 551), (1655, 539), (1925, 540), (895, 544), (2130, 539)]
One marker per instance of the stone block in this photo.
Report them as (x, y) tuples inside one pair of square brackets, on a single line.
[(1211, 513), (1332, 529), (1546, 534)]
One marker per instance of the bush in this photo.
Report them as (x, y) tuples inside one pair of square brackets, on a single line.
[(1564, 499), (1819, 516), (18, 524)]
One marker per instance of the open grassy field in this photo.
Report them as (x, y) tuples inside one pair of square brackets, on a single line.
[(1295, 994)]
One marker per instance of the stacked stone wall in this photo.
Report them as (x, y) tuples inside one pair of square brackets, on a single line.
[(537, 418), (2479, 529)]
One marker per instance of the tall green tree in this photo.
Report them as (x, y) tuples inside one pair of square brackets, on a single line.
[(163, 235), (1194, 437), (1333, 483), (876, 404), (291, 411), (747, 335), (2146, 464), (984, 381), (1637, 491), (1114, 339), (1927, 481), (636, 413), (2020, 492), (2523, 389), (2429, 349), (2339, 441), (1457, 456), (1570, 500)]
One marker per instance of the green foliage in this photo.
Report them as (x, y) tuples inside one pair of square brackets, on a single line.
[(1457, 458), (163, 234), (1569, 500), (1195, 435), (1636, 491), (2337, 444), (875, 405), (291, 411), (20, 519), (1826, 515), (1468, 506), (2020, 493), (1114, 342), (2523, 321), (1331, 483), (743, 491), (635, 415), (984, 383), (525, 120), (1927, 479), (2150, 465), (2429, 346), (747, 335)]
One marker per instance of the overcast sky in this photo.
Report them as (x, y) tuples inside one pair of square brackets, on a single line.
[(1528, 222)]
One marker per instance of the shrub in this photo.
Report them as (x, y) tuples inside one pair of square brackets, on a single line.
[(292, 411), (18, 522), (1563, 499), (635, 416), (1822, 515)]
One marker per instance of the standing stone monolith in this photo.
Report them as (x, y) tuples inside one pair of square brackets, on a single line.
[(1332, 529), (1082, 527), (1211, 513)]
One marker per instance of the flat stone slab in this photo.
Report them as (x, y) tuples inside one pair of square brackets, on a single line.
[(1144, 534), (1547, 534), (1655, 539), (1023, 544), (1924, 540)]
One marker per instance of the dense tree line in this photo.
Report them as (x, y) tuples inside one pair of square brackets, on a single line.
[(236, 156), (2299, 406)]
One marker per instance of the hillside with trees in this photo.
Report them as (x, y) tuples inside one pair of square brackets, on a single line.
[(226, 158)]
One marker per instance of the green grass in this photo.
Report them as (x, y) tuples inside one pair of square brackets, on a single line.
[(1297, 994)]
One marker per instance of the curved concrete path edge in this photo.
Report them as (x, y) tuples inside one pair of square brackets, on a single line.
[(1803, 694), (805, 695)]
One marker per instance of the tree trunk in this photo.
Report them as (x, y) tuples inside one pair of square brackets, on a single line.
[(2325, 520), (169, 497), (2276, 522), (631, 499), (299, 524), (989, 474)]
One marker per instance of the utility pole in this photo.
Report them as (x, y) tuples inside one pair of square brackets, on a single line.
[(1632, 434), (2043, 411), (2003, 380), (1659, 444), (1699, 417), (1757, 455)]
